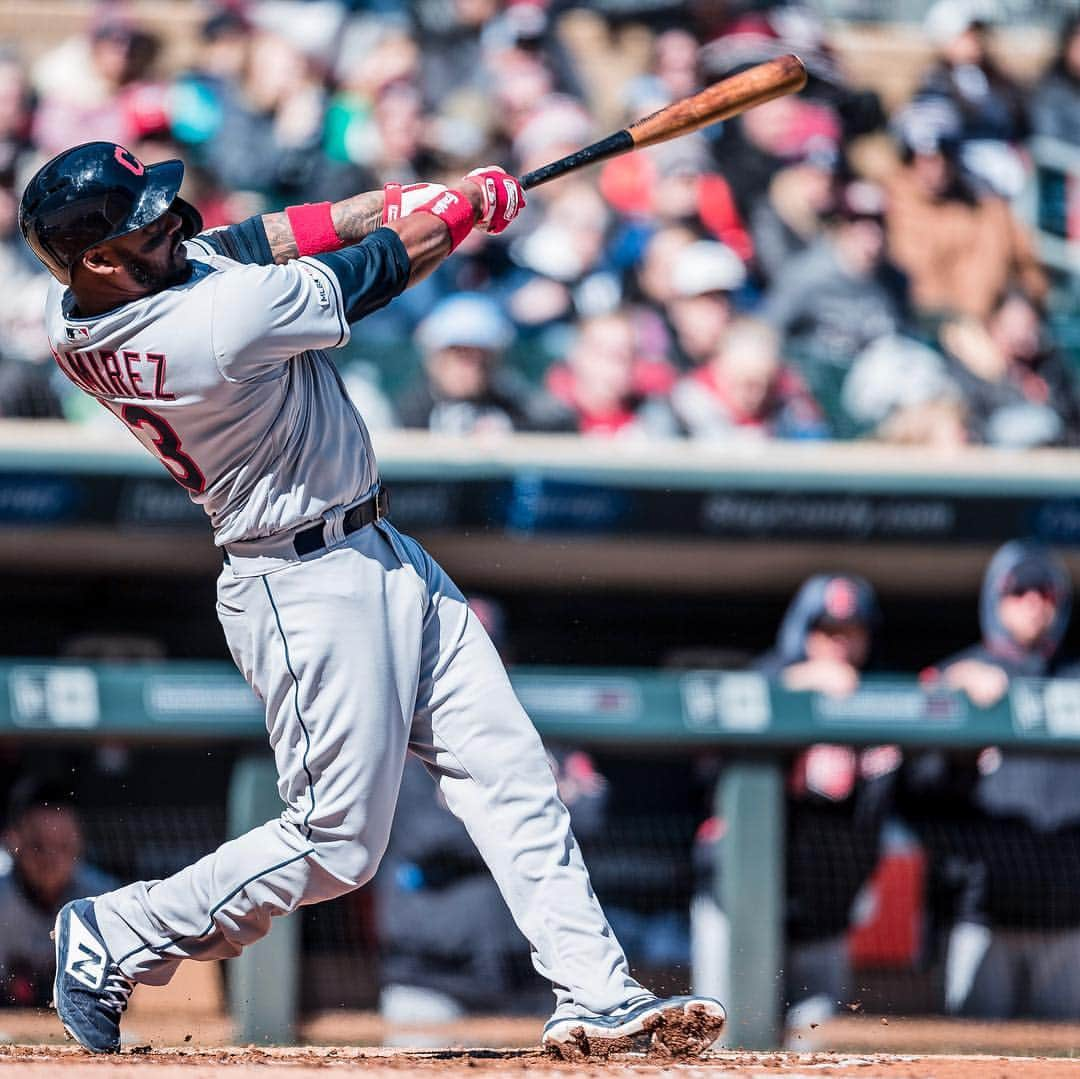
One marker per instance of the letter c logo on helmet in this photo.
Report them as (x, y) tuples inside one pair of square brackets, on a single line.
[(129, 161)]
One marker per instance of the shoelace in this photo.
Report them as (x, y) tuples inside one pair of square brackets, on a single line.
[(117, 992)]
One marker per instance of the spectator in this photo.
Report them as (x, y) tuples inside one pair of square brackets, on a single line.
[(563, 265), (746, 391), (465, 389), (45, 843), (705, 276), (97, 86), (268, 137), (674, 184), (27, 386), (1003, 826), (197, 94), (649, 270), (837, 797), (1017, 388), (15, 117), (989, 105), (902, 392), (960, 249), (607, 387), (793, 215), (1055, 104), (840, 294)]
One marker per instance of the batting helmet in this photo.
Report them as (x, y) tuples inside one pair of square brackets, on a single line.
[(96, 192)]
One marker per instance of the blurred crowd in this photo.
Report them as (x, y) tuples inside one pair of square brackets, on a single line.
[(819, 267)]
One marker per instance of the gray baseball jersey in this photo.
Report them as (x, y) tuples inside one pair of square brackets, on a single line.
[(361, 650), (222, 379)]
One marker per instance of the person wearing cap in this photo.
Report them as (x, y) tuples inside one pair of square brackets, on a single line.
[(1002, 827), (792, 216), (1019, 390), (960, 247), (44, 846), (1055, 101), (705, 277), (837, 799), (97, 84), (991, 106), (833, 299), (746, 391), (899, 390), (464, 388), (607, 387)]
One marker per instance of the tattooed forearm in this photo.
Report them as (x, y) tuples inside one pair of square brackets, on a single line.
[(280, 234), (353, 218)]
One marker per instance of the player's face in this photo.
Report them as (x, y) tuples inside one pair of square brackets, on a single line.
[(46, 845), (845, 643), (153, 257), (1027, 614)]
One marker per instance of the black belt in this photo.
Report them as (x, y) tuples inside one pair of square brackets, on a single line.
[(360, 516)]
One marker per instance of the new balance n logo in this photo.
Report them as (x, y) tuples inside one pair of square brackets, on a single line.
[(85, 956)]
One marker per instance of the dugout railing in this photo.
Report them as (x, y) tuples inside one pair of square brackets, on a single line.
[(742, 713)]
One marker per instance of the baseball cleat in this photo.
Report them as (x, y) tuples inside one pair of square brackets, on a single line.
[(672, 1028), (89, 993)]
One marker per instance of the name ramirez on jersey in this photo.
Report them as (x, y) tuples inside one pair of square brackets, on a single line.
[(223, 377)]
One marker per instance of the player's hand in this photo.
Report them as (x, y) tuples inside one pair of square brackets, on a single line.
[(831, 677), (400, 200), (984, 683), (502, 198)]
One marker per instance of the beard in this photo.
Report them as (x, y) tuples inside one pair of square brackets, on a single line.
[(149, 277)]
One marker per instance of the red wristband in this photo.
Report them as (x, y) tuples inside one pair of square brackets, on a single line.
[(454, 210), (391, 203), (313, 228)]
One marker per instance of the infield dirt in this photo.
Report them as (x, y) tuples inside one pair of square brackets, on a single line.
[(69, 1063)]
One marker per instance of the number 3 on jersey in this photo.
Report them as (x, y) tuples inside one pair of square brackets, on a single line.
[(167, 446)]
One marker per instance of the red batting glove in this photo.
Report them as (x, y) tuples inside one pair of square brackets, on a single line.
[(399, 201), (503, 198)]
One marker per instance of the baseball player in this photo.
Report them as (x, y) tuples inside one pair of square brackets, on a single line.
[(208, 347)]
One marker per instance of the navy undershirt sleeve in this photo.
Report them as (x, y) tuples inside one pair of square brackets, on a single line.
[(245, 242), (370, 273)]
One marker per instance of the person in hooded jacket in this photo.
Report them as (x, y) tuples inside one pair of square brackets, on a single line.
[(838, 797), (1002, 827)]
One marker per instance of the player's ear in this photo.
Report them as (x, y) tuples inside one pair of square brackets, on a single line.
[(100, 260)]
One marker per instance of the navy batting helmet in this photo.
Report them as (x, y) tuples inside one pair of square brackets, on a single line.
[(96, 192)]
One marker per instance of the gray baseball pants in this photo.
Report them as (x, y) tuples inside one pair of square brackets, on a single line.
[(360, 653)]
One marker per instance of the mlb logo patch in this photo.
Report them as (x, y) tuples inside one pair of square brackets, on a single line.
[(77, 333)]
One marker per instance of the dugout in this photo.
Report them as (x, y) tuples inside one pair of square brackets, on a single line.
[(612, 570)]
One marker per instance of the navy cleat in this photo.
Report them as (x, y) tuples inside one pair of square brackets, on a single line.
[(89, 994), (674, 1028)]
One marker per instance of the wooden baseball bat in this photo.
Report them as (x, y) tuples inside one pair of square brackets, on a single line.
[(729, 97)]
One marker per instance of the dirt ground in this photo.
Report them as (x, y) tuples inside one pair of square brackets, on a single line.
[(40, 1061), (868, 1047)]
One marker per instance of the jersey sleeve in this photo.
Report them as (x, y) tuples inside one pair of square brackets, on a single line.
[(244, 242), (262, 316), (370, 274)]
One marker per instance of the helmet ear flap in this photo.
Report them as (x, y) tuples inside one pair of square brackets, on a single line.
[(191, 218)]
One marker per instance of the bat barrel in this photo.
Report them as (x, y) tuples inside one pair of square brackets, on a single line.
[(729, 97)]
